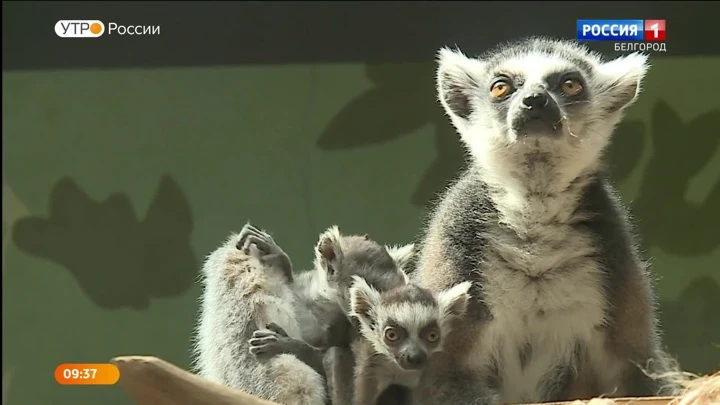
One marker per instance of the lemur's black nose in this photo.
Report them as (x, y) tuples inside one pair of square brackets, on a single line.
[(536, 100), (414, 360)]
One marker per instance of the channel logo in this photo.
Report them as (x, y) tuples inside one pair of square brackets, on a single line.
[(79, 28), (620, 30)]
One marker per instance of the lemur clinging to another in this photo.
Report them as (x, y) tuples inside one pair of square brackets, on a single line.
[(251, 298), (563, 305), (325, 291), (401, 325), (338, 258)]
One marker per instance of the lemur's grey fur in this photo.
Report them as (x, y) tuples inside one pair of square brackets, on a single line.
[(340, 258), (401, 329), (253, 308), (247, 286), (563, 305), (326, 291)]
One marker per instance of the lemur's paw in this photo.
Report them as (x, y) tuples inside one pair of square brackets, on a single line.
[(269, 342), (256, 243), (251, 235)]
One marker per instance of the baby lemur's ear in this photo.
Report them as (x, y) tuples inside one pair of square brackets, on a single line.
[(620, 79), (363, 299), (328, 251), (454, 301), (457, 83), (402, 255)]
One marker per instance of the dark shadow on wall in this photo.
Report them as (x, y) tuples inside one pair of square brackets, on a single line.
[(680, 152), (402, 100), (118, 260), (625, 149), (691, 326)]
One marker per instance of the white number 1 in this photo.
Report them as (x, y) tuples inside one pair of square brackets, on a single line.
[(654, 29)]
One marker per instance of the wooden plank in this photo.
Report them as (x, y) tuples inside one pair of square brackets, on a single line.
[(152, 381), (617, 401)]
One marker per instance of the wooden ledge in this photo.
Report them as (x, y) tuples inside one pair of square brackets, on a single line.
[(153, 381)]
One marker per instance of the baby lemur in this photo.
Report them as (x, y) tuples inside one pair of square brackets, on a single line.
[(401, 329), (338, 259), (251, 301), (325, 291), (401, 325), (563, 305)]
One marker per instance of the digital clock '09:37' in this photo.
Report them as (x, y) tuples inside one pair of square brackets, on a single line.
[(87, 374)]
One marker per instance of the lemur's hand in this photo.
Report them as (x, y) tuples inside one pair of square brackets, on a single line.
[(271, 342), (256, 243)]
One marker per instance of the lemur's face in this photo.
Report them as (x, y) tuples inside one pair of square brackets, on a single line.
[(537, 92), (409, 346), (406, 324), (547, 100)]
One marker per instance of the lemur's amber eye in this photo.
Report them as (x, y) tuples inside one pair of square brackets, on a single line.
[(391, 334), (432, 336), (571, 87), (500, 89)]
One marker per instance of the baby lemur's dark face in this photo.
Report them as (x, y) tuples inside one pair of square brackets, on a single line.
[(406, 324), (367, 259), (341, 257), (537, 92)]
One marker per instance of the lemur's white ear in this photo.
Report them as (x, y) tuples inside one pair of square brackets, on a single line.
[(621, 80), (363, 299), (402, 255), (328, 250), (454, 301), (457, 82)]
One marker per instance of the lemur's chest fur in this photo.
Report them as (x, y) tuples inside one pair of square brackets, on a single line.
[(542, 285)]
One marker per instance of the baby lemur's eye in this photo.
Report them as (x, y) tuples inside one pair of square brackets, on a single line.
[(432, 336), (571, 87), (392, 334), (500, 88)]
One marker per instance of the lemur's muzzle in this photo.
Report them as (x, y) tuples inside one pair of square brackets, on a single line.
[(413, 358), (539, 115)]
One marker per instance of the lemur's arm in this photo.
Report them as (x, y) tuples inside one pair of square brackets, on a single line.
[(365, 389), (274, 340), (340, 374)]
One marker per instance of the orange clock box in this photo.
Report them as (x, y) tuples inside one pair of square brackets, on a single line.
[(87, 374)]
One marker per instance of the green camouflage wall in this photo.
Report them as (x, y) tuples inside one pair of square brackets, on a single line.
[(117, 184)]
